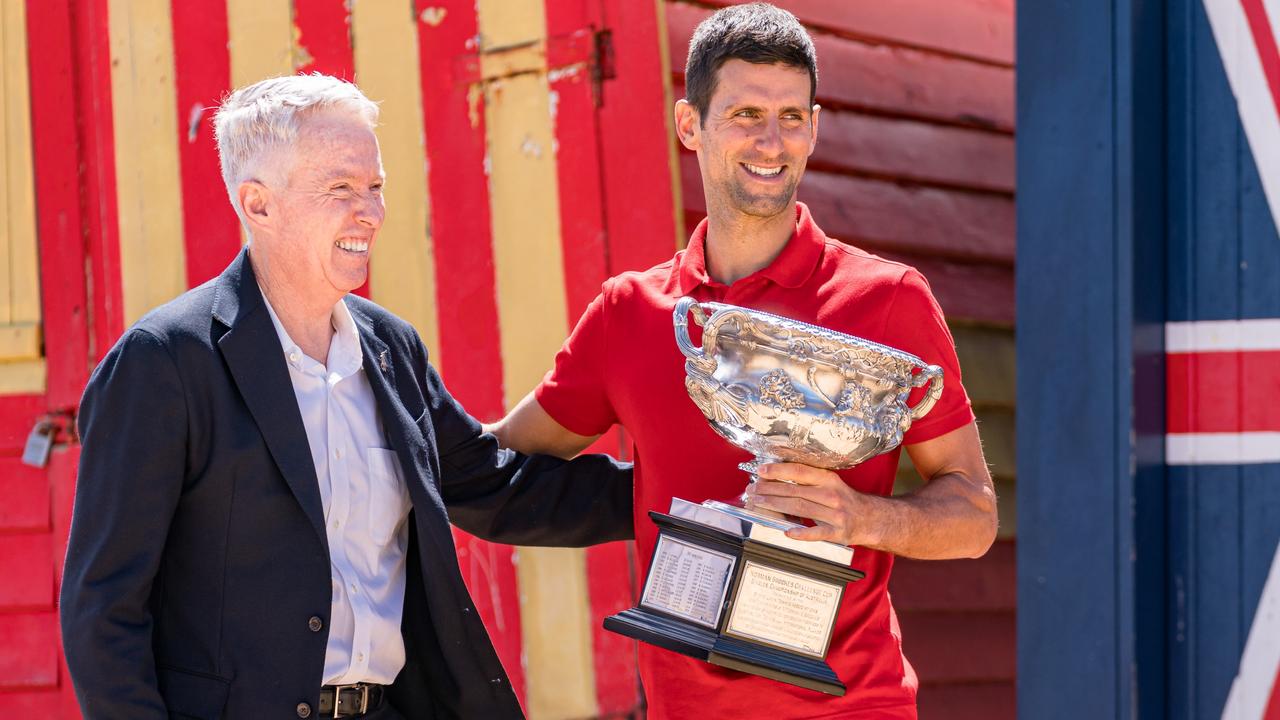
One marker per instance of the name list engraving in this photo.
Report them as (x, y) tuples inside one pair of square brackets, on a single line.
[(688, 581), (785, 609)]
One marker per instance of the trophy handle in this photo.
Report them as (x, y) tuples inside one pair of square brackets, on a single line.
[(681, 319), (932, 375)]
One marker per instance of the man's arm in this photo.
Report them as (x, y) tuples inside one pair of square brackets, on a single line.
[(952, 516), (133, 427), (528, 428)]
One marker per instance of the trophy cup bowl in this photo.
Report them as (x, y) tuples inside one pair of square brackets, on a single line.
[(725, 584)]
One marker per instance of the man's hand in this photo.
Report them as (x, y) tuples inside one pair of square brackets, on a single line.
[(840, 513), (952, 516)]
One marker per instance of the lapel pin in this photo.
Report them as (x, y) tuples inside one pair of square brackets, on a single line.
[(382, 361)]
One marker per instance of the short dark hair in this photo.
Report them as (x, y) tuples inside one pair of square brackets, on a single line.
[(757, 33)]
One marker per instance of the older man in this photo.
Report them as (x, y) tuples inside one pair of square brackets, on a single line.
[(750, 117), (260, 525)]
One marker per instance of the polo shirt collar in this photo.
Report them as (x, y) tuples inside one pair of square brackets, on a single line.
[(793, 266)]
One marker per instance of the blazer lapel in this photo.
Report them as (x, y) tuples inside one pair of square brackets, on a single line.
[(401, 428), (252, 351)]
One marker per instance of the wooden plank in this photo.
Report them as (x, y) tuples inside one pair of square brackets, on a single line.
[(30, 659), (532, 319), (968, 701), (26, 560), (966, 647), (895, 81), (23, 376), (20, 342), (148, 187), (324, 35), (26, 493), (637, 145), (260, 39), (202, 66), (977, 29), (912, 151), (987, 584), (19, 264), (878, 215), (403, 270), (461, 230), (988, 363), (18, 414)]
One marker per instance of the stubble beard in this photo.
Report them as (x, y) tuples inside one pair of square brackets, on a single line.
[(758, 204)]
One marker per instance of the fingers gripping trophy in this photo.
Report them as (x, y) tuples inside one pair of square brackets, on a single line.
[(726, 584)]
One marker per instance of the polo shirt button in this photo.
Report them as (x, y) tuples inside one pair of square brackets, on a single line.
[(315, 624), (304, 710)]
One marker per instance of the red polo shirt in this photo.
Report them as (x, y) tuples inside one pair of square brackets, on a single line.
[(621, 365)]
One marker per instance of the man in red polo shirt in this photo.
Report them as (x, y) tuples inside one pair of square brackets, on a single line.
[(750, 117)]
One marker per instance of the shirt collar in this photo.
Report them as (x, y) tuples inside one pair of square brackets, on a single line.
[(345, 356), (790, 269)]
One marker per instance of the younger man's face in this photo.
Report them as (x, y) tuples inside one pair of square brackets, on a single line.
[(756, 138)]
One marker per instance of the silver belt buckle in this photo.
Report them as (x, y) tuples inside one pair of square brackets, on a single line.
[(339, 711)]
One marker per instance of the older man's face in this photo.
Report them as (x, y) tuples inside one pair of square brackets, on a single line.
[(331, 207)]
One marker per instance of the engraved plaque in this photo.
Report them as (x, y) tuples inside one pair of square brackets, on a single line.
[(688, 581), (784, 609)]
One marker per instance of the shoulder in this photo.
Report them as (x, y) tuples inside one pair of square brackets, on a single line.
[(183, 321), (855, 264), (637, 284)]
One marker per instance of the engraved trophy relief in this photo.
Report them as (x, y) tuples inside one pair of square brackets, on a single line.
[(727, 585)]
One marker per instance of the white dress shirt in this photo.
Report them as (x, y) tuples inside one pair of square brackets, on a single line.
[(365, 505)]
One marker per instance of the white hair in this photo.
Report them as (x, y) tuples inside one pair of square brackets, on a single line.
[(256, 121)]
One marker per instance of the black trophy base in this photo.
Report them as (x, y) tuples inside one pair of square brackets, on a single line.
[(702, 644)]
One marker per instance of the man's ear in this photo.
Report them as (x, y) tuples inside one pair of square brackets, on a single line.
[(688, 125), (254, 198), (813, 127)]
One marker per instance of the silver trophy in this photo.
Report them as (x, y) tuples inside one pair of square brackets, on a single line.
[(726, 584)]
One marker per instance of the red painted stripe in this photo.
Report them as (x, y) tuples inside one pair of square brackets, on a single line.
[(17, 416), (461, 236), (202, 67), (461, 231), (634, 141), (1265, 42), (324, 28), (56, 57), (1223, 392), (1273, 705), (324, 35)]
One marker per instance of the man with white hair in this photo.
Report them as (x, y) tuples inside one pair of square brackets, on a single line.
[(260, 525)]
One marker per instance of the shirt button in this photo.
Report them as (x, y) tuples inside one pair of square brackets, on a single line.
[(359, 657), (304, 710), (354, 589), (336, 523), (293, 357), (315, 624), (338, 453)]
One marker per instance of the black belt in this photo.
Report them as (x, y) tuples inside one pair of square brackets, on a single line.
[(350, 701)]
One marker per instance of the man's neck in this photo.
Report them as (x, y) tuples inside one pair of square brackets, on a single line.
[(309, 324), (738, 245)]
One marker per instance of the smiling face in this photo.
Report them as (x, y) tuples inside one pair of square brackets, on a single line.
[(318, 225), (756, 138)]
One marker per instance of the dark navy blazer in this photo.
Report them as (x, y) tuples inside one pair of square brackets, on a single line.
[(198, 555)]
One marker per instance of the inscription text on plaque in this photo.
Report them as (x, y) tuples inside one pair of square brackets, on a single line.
[(785, 609), (688, 581)]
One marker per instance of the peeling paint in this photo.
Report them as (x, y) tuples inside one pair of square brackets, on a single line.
[(301, 56), (553, 102), (569, 71), (488, 164), (433, 16), (193, 122), (474, 94), (531, 148)]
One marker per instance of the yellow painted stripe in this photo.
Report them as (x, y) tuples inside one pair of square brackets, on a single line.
[(19, 341), (148, 185), (260, 38), (19, 267), (525, 208), (22, 377), (385, 42)]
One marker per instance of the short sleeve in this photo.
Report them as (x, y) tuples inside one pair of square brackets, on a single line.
[(573, 392), (915, 323)]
